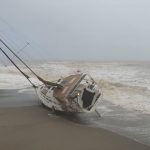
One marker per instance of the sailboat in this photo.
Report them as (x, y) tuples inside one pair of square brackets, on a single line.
[(75, 93)]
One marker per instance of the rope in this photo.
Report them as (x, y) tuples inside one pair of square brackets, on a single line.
[(24, 37)]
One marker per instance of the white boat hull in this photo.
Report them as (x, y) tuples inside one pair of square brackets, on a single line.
[(48, 100)]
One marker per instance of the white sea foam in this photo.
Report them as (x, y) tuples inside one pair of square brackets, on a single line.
[(9, 81), (125, 85), (15, 81)]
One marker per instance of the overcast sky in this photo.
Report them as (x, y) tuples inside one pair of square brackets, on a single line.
[(81, 29)]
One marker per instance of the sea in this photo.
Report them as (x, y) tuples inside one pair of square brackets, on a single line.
[(124, 107)]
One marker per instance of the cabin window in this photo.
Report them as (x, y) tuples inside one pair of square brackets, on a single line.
[(87, 98)]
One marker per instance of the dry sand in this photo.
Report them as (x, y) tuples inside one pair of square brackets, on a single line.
[(31, 128)]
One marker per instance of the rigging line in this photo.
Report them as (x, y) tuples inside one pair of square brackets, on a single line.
[(21, 49), (41, 79), (17, 57), (5, 22), (24, 36), (10, 43), (25, 75), (5, 37), (12, 28), (38, 48), (41, 59), (16, 45), (20, 59)]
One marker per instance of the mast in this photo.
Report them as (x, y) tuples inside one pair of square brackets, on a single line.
[(41, 79), (18, 57), (25, 75)]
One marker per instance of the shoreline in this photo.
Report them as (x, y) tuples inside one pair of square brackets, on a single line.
[(30, 127)]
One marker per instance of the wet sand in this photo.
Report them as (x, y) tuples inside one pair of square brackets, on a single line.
[(33, 127)]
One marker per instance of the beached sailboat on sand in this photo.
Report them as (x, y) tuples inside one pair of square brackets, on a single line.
[(74, 93)]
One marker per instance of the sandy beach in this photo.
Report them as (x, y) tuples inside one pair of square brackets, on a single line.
[(35, 128)]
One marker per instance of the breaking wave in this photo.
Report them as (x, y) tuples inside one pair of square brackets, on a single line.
[(124, 84), (130, 97)]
